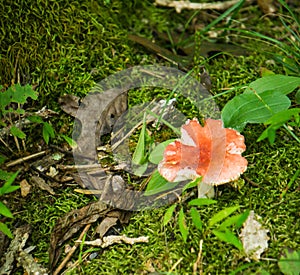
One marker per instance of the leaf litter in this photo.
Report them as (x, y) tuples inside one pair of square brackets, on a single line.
[(254, 237)]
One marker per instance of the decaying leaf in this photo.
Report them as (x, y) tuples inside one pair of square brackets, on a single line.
[(40, 183), (96, 117), (69, 104), (73, 221), (254, 237), (25, 188), (267, 6)]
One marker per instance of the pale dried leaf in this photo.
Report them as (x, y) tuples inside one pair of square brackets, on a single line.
[(254, 237), (25, 188)]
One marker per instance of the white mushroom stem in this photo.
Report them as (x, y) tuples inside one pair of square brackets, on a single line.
[(205, 190)]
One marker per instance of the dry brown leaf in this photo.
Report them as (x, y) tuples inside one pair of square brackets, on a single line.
[(73, 221), (25, 188), (105, 225), (69, 104), (40, 183), (97, 115), (266, 6)]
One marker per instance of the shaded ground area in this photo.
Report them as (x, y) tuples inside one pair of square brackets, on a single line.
[(66, 47)]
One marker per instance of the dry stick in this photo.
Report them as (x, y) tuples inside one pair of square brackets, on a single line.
[(175, 265), (71, 252), (76, 263), (199, 259), (7, 146), (180, 5), (20, 160), (115, 145)]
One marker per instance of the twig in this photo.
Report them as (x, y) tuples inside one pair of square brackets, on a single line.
[(199, 260), (7, 146), (71, 252), (174, 266), (180, 5), (79, 167), (20, 160), (110, 240), (76, 263)]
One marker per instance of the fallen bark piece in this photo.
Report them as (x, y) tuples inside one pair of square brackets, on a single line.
[(30, 266), (40, 183), (22, 256), (110, 240)]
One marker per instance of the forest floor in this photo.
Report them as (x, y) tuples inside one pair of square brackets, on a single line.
[(65, 48)]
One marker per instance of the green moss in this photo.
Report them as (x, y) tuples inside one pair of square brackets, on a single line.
[(68, 46)]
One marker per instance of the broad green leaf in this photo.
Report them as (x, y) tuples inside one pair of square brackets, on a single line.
[(201, 201), (158, 184), (228, 237), (139, 170), (156, 155), (16, 132), (8, 183), (253, 108), (5, 211), (196, 218), (20, 111), (269, 133), (266, 72), (48, 132), (20, 93), (5, 230), (5, 99), (192, 184), (236, 220), (283, 116), (36, 119), (276, 122), (221, 215), (70, 141), (139, 155), (182, 225), (168, 215), (11, 188), (277, 83), (289, 264), (297, 97)]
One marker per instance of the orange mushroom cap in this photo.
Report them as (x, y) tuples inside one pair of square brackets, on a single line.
[(211, 151)]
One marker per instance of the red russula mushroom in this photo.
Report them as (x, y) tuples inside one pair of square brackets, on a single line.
[(211, 151)]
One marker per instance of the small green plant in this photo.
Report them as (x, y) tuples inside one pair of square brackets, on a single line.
[(219, 224), (289, 263), (12, 114), (265, 101), (6, 189), (11, 108)]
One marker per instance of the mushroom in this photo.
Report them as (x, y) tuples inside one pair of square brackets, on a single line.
[(211, 152)]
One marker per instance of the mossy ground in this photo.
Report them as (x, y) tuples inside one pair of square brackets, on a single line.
[(67, 47)]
